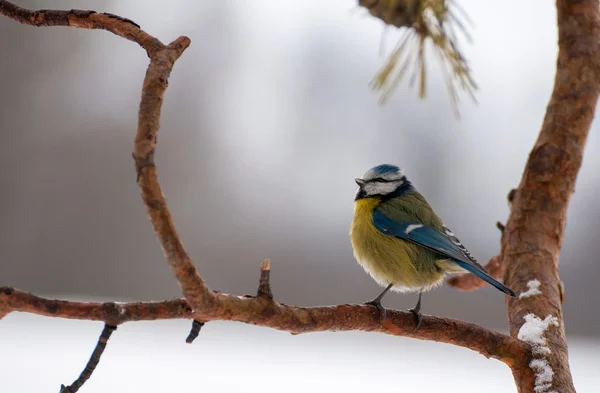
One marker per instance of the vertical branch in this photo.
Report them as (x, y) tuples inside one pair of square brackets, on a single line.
[(264, 284), (196, 293), (92, 363), (535, 229)]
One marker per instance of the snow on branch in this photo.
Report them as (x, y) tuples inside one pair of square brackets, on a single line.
[(533, 289)]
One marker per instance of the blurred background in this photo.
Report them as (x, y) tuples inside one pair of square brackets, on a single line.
[(267, 120)]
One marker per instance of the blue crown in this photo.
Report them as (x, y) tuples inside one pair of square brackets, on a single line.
[(386, 168)]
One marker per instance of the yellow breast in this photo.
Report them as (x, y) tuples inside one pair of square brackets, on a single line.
[(386, 258)]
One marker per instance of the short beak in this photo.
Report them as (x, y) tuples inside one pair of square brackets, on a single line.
[(360, 182)]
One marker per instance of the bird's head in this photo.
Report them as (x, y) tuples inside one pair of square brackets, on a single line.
[(380, 181)]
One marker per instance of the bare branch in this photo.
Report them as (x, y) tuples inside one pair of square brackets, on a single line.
[(92, 363), (84, 20), (264, 285), (194, 290), (501, 227), (262, 312), (111, 313), (162, 59), (535, 228)]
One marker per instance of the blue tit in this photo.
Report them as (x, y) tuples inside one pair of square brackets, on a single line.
[(401, 242)]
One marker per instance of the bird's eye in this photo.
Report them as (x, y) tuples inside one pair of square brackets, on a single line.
[(380, 179)]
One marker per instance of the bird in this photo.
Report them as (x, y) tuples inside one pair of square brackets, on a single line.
[(401, 242)]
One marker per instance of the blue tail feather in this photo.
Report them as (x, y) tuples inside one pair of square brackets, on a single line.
[(485, 277)]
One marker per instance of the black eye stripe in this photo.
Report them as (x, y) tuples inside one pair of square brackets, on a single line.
[(380, 180)]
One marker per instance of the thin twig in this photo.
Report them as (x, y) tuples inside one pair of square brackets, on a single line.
[(264, 285), (84, 20), (92, 363), (194, 331), (501, 227), (511, 195)]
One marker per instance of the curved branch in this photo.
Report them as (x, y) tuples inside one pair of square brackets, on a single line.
[(194, 290), (262, 311), (535, 228), (84, 20), (162, 59)]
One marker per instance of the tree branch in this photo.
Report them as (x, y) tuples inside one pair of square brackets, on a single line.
[(84, 20), (162, 59), (262, 311), (533, 235), (535, 228), (111, 313), (194, 290)]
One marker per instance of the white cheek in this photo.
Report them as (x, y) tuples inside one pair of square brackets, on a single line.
[(381, 188)]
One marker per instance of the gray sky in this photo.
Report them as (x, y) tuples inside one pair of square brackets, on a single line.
[(267, 120)]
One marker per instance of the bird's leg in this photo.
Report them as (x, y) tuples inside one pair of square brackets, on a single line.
[(377, 301), (416, 310)]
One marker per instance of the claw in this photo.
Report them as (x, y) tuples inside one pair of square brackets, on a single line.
[(418, 317), (377, 302), (416, 310), (380, 308)]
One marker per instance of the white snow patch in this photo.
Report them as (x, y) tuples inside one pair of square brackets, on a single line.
[(542, 388), (543, 375), (412, 227), (532, 332), (533, 289)]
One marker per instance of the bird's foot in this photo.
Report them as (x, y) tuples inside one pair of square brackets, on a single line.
[(418, 316), (380, 308), (377, 302), (416, 310)]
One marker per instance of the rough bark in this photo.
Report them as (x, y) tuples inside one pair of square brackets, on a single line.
[(263, 311), (535, 228)]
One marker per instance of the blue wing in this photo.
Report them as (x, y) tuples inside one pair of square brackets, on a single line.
[(444, 243)]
